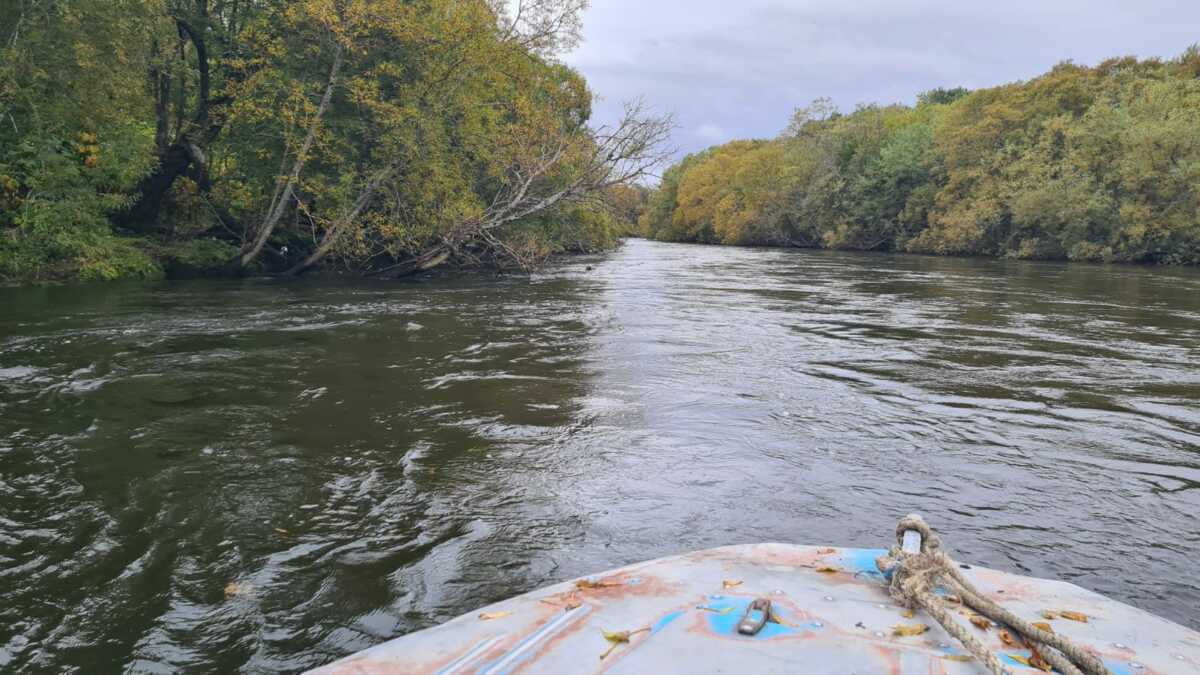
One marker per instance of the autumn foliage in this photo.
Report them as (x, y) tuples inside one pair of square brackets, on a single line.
[(1083, 163), (143, 136)]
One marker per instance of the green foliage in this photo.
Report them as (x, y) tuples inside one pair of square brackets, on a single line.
[(1082, 163), (445, 96)]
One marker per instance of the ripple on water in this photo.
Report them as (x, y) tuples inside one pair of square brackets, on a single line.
[(218, 476)]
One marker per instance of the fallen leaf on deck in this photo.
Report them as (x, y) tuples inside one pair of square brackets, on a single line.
[(828, 570), (1023, 660), (1073, 616), (714, 610), (588, 583), (617, 638), (1038, 662), (776, 619), (567, 601), (1048, 614), (910, 631), (953, 598), (492, 616), (826, 551), (1044, 626), (908, 614), (981, 622), (960, 657), (1007, 638), (729, 583)]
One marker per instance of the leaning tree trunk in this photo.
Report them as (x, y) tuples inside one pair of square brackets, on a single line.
[(186, 153), (251, 250)]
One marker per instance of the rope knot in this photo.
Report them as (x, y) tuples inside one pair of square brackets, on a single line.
[(914, 580)]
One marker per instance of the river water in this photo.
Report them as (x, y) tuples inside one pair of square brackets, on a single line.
[(267, 476)]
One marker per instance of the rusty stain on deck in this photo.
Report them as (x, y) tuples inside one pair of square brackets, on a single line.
[(834, 612)]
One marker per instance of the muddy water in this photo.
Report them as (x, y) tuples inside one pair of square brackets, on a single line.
[(262, 476)]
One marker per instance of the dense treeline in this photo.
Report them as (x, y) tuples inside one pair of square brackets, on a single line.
[(1098, 164), (141, 136)]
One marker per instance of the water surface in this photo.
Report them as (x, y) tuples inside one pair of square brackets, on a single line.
[(267, 476)]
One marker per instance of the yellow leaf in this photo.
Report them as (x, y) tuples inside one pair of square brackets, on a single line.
[(492, 616), (981, 622), (729, 583), (910, 631), (1048, 614), (1073, 616), (960, 657), (828, 570), (1044, 626), (588, 583), (616, 638), (1023, 660), (908, 614)]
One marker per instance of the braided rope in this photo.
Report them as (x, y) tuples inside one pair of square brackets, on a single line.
[(915, 575)]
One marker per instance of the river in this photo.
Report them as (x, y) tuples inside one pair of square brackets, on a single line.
[(267, 475)]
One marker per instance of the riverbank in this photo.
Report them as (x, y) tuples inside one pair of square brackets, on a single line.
[(1096, 164), (246, 151)]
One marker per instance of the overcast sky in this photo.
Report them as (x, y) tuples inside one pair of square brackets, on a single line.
[(737, 68)]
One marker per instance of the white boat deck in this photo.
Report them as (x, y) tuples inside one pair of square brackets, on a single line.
[(832, 610)]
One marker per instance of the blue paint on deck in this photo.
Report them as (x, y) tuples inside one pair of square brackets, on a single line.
[(1119, 667), (664, 622), (861, 561)]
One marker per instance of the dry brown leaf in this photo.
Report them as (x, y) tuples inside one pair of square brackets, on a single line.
[(492, 616), (826, 551), (567, 601), (963, 658), (1073, 616), (828, 570), (1038, 662), (730, 583), (1007, 639), (910, 630), (908, 614), (1044, 626), (1049, 615), (584, 584), (981, 622), (953, 598)]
